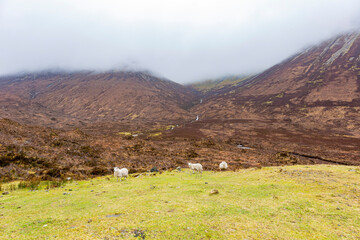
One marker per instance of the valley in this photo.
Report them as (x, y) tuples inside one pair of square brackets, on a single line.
[(304, 110)]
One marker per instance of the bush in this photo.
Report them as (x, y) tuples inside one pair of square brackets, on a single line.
[(33, 184), (54, 172), (55, 184), (192, 154), (100, 171)]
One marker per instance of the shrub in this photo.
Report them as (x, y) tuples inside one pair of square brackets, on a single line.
[(100, 171), (55, 184), (54, 172), (192, 154), (33, 184)]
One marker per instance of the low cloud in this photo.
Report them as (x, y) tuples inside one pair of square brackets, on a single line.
[(181, 40)]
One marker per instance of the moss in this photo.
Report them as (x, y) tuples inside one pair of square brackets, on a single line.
[(124, 133), (280, 95), (157, 134)]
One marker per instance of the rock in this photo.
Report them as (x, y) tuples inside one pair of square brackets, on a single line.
[(5, 193), (65, 193), (206, 183), (179, 169), (70, 189), (18, 207), (154, 169), (139, 233), (352, 170), (152, 187), (242, 147), (107, 178), (114, 215), (91, 190), (214, 191), (90, 220)]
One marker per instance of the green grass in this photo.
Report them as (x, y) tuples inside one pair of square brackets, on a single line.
[(208, 85), (297, 202)]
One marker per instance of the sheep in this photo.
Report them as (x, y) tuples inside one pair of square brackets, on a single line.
[(223, 165), (196, 167), (123, 172)]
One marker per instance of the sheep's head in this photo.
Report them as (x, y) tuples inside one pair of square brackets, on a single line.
[(116, 169), (189, 164)]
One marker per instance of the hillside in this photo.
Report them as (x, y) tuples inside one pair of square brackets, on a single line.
[(293, 202), (39, 153), (211, 87), (318, 88), (308, 104), (56, 99)]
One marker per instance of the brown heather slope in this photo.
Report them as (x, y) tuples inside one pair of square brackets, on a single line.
[(33, 152), (57, 99), (308, 105), (317, 89)]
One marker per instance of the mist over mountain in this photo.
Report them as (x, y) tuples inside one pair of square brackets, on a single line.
[(215, 38)]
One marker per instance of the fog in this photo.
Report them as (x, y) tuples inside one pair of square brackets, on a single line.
[(181, 40)]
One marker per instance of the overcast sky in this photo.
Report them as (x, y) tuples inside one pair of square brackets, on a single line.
[(183, 40)]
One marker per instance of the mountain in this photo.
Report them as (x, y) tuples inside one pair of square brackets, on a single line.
[(318, 88), (58, 98)]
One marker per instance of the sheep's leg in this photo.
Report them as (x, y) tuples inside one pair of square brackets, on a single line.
[(117, 178)]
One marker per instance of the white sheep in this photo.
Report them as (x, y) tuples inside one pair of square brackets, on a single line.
[(119, 173), (196, 167), (223, 165)]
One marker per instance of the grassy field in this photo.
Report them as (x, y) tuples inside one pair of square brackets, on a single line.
[(295, 202)]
